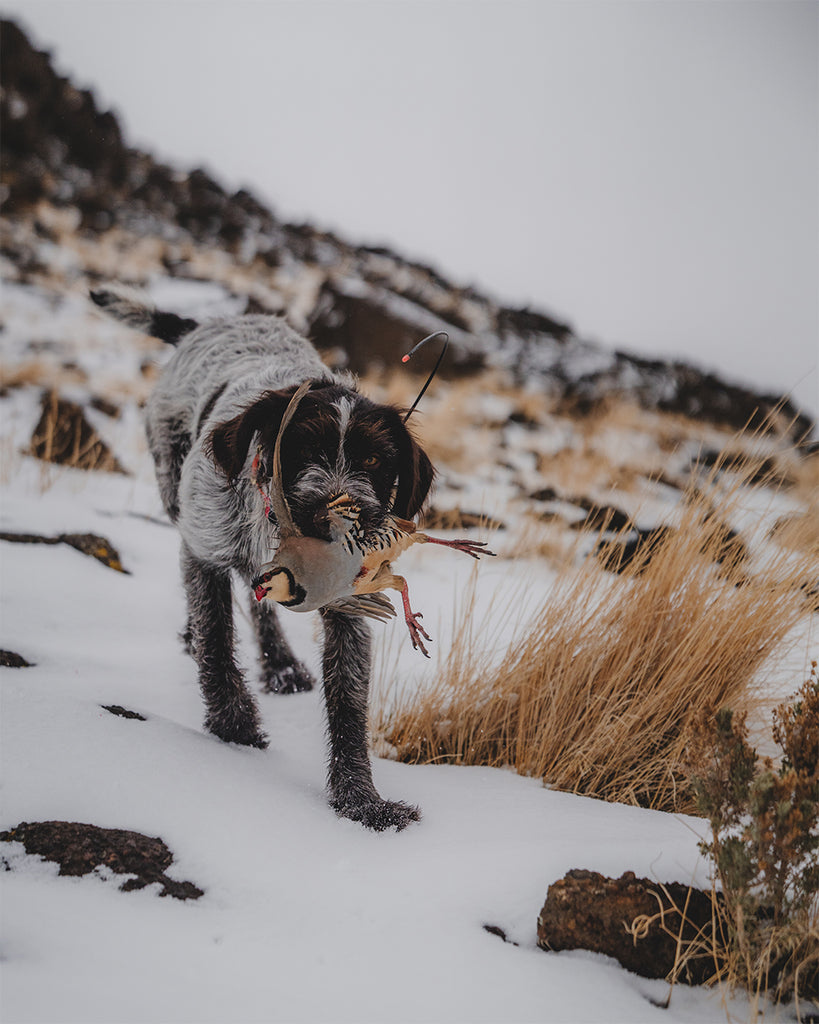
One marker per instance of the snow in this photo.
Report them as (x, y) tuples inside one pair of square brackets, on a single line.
[(305, 917)]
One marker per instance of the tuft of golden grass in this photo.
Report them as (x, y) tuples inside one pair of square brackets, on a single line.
[(601, 693), (63, 435)]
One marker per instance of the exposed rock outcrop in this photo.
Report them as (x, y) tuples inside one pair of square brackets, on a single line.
[(364, 303)]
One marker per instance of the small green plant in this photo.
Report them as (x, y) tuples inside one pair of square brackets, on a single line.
[(764, 819)]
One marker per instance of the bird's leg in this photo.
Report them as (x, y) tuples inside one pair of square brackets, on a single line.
[(416, 630), (470, 547)]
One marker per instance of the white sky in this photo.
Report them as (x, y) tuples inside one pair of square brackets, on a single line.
[(646, 169)]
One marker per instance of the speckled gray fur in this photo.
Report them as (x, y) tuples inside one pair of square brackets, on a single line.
[(218, 370)]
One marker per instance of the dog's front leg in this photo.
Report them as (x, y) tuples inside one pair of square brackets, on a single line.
[(346, 686), (232, 714)]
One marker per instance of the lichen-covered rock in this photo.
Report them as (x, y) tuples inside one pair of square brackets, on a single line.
[(87, 543), (632, 919)]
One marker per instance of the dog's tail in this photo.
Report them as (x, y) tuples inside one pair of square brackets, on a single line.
[(134, 308)]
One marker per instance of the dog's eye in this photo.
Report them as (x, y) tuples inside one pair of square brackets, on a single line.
[(372, 461)]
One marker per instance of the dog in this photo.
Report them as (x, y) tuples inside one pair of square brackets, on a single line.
[(212, 422)]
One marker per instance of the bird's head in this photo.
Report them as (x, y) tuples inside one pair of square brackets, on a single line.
[(278, 584)]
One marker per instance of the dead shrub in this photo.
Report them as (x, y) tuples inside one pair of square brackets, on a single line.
[(602, 693)]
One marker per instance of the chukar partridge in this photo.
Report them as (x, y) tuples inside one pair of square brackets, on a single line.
[(351, 569)]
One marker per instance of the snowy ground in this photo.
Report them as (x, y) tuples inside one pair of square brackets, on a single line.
[(305, 917)]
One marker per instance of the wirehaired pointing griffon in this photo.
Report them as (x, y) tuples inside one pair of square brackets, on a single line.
[(214, 413)]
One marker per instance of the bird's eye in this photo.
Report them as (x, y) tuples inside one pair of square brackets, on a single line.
[(372, 461)]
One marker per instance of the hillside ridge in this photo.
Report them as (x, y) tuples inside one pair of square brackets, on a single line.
[(364, 305)]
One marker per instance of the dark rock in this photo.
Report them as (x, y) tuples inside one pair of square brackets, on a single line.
[(725, 544), (80, 848), (599, 517), (457, 519), (618, 556), (27, 538), (95, 546), (9, 659), (545, 494), (121, 712), (105, 406), (701, 395), (494, 929), (373, 331), (63, 435), (528, 322), (753, 470), (634, 920), (87, 543), (525, 420), (48, 124), (720, 542)]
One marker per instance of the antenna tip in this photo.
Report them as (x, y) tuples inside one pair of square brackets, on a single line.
[(405, 359)]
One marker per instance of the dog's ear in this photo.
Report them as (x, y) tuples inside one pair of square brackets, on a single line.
[(229, 443), (415, 473)]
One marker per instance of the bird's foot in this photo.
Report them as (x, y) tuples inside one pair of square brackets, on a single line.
[(476, 548), (416, 630)]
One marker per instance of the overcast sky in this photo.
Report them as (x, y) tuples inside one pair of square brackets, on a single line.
[(646, 169)]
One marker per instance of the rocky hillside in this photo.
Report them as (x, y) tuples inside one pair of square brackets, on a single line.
[(70, 180)]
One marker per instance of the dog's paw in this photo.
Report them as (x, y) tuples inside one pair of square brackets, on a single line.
[(242, 729), (293, 678), (379, 815)]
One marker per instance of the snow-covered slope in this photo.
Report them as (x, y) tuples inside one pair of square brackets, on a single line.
[(304, 916)]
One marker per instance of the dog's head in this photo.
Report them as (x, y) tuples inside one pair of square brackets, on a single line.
[(338, 442)]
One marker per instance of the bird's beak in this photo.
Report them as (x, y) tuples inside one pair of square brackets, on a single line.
[(276, 585)]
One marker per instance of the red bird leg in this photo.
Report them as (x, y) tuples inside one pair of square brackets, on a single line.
[(416, 630), (470, 547)]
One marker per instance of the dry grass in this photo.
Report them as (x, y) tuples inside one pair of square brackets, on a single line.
[(601, 693), (63, 435), (549, 540), (40, 373)]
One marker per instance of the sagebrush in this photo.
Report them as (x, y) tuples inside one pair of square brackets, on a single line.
[(764, 818)]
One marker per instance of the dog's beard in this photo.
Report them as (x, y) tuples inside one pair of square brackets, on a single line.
[(316, 486)]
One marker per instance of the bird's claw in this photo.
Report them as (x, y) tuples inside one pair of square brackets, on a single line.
[(475, 548), (416, 631)]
